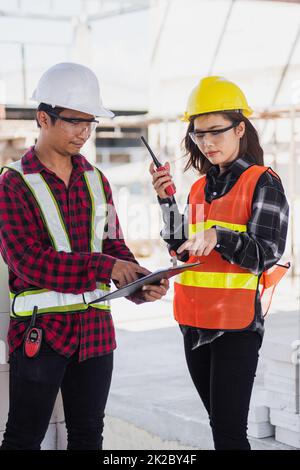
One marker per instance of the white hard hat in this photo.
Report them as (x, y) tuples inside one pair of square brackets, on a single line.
[(71, 86)]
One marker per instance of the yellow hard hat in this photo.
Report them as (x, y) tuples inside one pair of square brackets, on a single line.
[(216, 94)]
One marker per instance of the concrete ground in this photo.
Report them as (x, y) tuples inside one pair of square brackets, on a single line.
[(153, 403)]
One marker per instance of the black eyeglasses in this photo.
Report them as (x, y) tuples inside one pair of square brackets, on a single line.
[(197, 136), (76, 123)]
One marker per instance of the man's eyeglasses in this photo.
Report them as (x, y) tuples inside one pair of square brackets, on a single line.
[(76, 124), (197, 136)]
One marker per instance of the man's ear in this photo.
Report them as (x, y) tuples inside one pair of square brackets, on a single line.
[(43, 119)]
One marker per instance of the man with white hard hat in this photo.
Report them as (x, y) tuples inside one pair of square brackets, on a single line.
[(62, 251)]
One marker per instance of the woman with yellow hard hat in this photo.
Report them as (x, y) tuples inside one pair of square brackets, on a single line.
[(235, 223)]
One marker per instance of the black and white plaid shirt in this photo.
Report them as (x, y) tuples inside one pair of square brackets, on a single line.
[(257, 249)]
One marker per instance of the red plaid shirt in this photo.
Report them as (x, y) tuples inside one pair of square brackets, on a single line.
[(33, 262)]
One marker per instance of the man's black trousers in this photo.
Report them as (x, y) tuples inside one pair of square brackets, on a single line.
[(33, 388)]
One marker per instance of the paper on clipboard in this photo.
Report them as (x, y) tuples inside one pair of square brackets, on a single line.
[(152, 278)]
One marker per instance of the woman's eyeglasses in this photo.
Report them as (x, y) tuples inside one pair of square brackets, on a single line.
[(197, 136)]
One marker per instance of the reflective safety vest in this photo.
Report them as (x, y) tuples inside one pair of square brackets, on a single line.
[(48, 301), (219, 294)]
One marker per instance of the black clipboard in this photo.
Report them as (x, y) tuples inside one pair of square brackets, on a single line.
[(152, 278)]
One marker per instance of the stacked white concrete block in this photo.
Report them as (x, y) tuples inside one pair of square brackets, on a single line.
[(4, 369), (281, 384), (259, 425), (274, 408)]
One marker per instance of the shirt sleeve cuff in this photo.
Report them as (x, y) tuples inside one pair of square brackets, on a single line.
[(168, 200), (226, 240), (102, 265)]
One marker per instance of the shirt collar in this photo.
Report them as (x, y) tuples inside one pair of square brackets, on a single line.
[(237, 167), (32, 164)]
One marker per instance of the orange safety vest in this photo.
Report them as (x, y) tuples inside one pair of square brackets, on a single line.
[(219, 294)]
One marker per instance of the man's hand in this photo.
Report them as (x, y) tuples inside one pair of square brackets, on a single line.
[(152, 292), (201, 244), (125, 272)]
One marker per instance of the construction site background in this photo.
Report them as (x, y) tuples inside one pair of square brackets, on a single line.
[(165, 47)]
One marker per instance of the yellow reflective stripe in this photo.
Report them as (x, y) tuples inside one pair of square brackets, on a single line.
[(62, 309), (96, 191), (95, 188), (99, 285), (200, 226), (92, 222), (103, 287), (63, 226), (51, 236), (104, 200), (47, 204), (100, 307), (28, 292), (68, 306), (218, 280)]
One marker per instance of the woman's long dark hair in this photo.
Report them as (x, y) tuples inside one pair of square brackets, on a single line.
[(249, 144)]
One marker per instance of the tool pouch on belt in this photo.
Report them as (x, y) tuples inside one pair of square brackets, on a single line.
[(268, 282)]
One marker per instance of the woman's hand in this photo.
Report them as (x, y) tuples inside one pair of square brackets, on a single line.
[(201, 244), (161, 179)]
